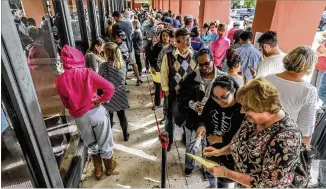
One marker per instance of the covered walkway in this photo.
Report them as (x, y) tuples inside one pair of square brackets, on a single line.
[(139, 159)]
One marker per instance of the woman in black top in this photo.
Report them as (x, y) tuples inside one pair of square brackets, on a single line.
[(220, 120), (164, 40)]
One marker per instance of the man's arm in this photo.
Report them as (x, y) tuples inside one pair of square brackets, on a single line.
[(165, 74)]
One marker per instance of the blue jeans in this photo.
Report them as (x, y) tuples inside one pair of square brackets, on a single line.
[(322, 174), (190, 142), (215, 182)]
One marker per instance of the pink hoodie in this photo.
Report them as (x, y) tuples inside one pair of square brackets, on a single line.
[(77, 86), (218, 48)]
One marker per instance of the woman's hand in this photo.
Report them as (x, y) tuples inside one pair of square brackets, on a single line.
[(201, 132), (199, 107), (96, 103), (153, 70), (218, 171), (211, 151)]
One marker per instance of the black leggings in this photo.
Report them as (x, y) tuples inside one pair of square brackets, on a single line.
[(123, 121), (138, 62), (157, 94)]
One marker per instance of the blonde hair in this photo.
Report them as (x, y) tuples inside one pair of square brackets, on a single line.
[(260, 96), (300, 60), (113, 54), (136, 23)]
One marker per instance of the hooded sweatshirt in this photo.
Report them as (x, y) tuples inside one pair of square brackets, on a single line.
[(77, 86)]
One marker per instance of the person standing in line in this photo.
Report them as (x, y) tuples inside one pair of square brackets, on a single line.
[(236, 39), (273, 62), (167, 49), (219, 46), (236, 26), (219, 122), (164, 41), (205, 31), (77, 87), (109, 33), (126, 27), (137, 39), (192, 95), (94, 56), (212, 36), (176, 22), (189, 23), (249, 55), (175, 66), (196, 42), (322, 163), (233, 63), (113, 71), (298, 97), (120, 41)]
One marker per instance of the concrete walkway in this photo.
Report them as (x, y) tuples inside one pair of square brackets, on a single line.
[(139, 159)]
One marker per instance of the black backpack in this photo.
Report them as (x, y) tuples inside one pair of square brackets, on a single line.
[(302, 167)]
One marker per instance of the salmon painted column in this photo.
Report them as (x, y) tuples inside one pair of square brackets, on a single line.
[(34, 9), (174, 6), (165, 5), (214, 10), (189, 7), (295, 22)]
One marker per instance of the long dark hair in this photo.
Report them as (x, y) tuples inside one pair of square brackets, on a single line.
[(97, 41), (226, 82), (167, 31)]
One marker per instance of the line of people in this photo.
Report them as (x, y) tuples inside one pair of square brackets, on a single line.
[(223, 91)]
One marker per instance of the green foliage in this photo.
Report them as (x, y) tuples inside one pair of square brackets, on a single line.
[(247, 3)]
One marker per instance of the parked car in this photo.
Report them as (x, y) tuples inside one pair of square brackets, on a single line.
[(235, 12), (248, 22), (244, 15), (322, 24)]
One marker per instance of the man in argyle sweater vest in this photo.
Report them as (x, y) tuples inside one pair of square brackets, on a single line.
[(175, 66)]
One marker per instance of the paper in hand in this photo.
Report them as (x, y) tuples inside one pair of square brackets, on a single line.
[(205, 162)]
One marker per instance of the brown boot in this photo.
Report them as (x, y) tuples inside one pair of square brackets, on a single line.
[(98, 168), (110, 166)]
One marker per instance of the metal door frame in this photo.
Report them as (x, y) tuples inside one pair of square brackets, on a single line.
[(18, 81)]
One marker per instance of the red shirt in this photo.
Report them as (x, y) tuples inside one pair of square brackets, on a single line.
[(231, 33)]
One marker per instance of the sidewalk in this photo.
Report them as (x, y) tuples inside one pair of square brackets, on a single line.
[(139, 159)]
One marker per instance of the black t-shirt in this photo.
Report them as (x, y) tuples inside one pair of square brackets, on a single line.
[(223, 122)]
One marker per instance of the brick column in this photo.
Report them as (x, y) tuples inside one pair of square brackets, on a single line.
[(189, 7), (35, 9), (214, 10), (295, 22), (174, 6)]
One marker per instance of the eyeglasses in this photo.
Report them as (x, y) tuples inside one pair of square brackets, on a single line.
[(222, 98), (206, 64)]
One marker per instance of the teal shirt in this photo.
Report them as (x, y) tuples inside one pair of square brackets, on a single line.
[(209, 37)]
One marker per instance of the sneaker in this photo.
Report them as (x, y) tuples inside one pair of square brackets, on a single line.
[(139, 82), (169, 147), (126, 137), (204, 175), (188, 172)]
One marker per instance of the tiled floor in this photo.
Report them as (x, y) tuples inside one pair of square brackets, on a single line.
[(139, 159)]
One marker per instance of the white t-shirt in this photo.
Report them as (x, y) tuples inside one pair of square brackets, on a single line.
[(239, 79), (271, 65), (299, 100)]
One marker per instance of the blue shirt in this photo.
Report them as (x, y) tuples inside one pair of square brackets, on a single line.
[(4, 123), (176, 23), (250, 57), (196, 43), (322, 88), (209, 37)]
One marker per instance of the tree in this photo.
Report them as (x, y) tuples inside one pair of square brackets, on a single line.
[(250, 3)]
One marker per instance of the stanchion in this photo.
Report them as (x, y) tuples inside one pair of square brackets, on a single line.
[(164, 158)]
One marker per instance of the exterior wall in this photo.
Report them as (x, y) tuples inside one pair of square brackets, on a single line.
[(189, 7), (34, 9), (214, 10), (174, 6), (165, 4), (290, 19)]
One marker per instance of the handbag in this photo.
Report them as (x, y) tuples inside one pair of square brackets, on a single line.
[(178, 114)]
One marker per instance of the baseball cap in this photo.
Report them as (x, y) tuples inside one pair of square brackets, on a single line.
[(181, 32), (121, 34), (206, 25), (168, 20), (236, 24)]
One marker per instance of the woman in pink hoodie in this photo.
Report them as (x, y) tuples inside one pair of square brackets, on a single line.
[(77, 87)]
